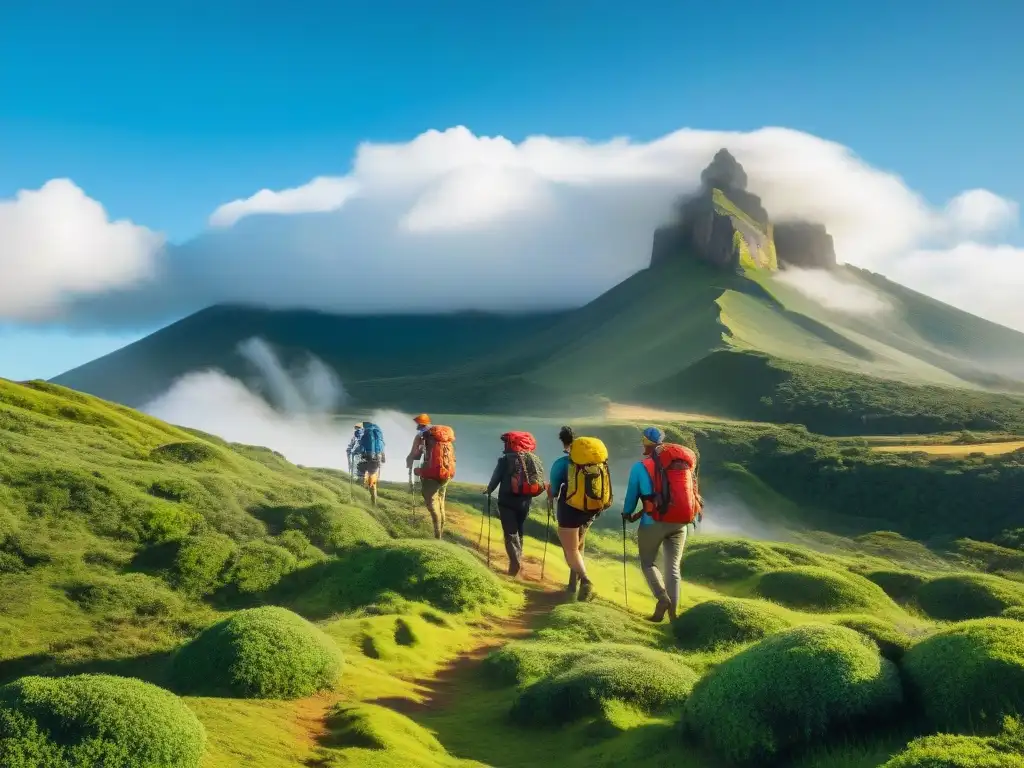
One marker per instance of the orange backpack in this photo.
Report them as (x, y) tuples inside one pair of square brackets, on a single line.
[(438, 454)]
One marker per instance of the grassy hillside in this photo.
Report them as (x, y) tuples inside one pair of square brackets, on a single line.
[(270, 616)]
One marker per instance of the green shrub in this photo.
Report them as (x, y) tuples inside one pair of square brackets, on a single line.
[(730, 560), (369, 726), (948, 751), (649, 680), (521, 661), (190, 452), (201, 564), (969, 675), (892, 643), (442, 574), (83, 721), (131, 594), (790, 689), (335, 528), (968, 596), (590, 622), (820, 589), (727, 621), (901, 586), (297, 543), (1016, 612), (265, 652), (260, 565)]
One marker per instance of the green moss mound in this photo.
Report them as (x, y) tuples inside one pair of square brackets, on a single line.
[(970, 675), (968, 596), (526, 661), (892, 643), (901, 586), (819, 589), (790, 690), (266, 653), (96, 720), (1017, 612), (336, 528), (730, 560), (727, 621), (648, 680), (369, 726), (593, 623), (442, 574), (949, 751), (184, 452)]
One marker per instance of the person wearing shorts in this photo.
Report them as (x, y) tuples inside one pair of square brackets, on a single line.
[(572, 523), (368, 472)]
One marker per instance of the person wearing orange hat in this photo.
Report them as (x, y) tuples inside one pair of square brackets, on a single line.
[(434, 491)]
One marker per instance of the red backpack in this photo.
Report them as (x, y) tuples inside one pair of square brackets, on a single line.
[(675, 498), (525, 469), (438, 454)]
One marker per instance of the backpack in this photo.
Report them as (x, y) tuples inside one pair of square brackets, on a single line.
[(675, 498), (523, 466), (590, 483), (438, 454), (371, 443)]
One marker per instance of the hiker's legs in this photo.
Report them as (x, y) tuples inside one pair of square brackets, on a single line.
[(583, 535), (648, 539), (509, 518), (431, 491), (672, 551), (442, 494), (569, 539)]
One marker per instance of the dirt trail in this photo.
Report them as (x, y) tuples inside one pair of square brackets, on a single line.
[(438, 691)]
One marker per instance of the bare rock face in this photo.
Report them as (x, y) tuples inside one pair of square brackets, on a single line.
[(806, 245)]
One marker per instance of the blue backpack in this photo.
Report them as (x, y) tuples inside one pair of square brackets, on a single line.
[(371, 444)]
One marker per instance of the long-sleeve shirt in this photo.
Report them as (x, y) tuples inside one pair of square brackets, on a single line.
[(640, 485), (418, 446), (559, 476), (353, 444), (502, 480)]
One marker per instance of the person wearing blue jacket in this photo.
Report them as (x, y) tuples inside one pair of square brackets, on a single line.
[(565, 515), (654, 535)]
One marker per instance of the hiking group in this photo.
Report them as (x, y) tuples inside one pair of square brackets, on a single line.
[(579, 489)]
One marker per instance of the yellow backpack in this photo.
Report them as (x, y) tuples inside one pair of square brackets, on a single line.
[(590, 483)]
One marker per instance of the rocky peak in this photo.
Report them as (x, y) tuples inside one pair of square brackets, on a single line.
[(804, 244), (724, 173)]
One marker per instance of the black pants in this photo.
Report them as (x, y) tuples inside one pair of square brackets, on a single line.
[(513, 513)]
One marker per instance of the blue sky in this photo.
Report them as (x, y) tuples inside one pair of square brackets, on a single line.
[(164, 111)]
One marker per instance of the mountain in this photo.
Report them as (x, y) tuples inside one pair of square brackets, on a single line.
[(728, 317)]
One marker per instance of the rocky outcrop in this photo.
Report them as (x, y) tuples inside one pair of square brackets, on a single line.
[(803, 244), (722, 224)]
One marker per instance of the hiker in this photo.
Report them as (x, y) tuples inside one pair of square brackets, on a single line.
[(371, 457), (664, 481), (556, 492), (435, 445), (584, 491), (519, 478), (353, 448)]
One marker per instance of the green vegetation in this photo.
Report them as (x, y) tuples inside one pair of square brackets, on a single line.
[(723, 622), (832, 677), (891, 642), (819, 589), (83, 721), (1005, 750), (970, 675), (968, 596), (260, 653)]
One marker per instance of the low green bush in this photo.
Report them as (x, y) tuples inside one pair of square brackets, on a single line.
[(730, 560), (970, 675), (901, 586), (1016, 612), (259, 565), (727, 621), (262, 653), (950, 751), (129, 595), (84, 721), (789, 690), (963, 596), (201, 563), (819, 589), (649, 680), (369, 726), (593, 623), (892, 643), (335, 528)]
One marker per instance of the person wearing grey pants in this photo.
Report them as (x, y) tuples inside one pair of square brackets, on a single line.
[(671, 539)]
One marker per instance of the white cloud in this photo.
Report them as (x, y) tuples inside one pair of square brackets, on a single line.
[(979, 212), (835, 292), (57, 243), (450, 220)]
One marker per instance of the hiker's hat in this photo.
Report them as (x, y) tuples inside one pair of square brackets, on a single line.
[(653, 436), (422, 419)]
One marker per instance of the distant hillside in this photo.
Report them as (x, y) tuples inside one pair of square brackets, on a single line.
[(713, 323)]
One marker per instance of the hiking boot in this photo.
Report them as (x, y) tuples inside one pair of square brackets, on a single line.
[(663, 607), (573, 579), (586, 590)]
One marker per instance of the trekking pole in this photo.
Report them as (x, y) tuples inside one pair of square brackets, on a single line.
[(480, 537), (412, 494), (547, 536), (625, 588), (488, 530)]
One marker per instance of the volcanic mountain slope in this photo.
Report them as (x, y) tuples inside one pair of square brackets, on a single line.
[(718, 288)]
